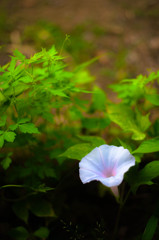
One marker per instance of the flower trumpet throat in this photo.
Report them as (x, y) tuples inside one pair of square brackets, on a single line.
[(106, 164)]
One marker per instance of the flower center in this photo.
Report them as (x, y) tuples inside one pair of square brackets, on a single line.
[(109, 172)]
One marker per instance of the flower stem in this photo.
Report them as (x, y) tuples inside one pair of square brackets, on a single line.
[(121, 204), (117, 222)]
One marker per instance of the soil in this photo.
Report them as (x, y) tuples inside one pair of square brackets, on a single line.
[(131, 25)]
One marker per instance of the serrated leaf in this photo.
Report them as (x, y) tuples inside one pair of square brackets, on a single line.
[(78, 151), (150, 228), (28, 128), (23, 120), (6, 162), (9, 136), (26, 79), (13, 127), (42, 232), (18, 55), (148, 146)]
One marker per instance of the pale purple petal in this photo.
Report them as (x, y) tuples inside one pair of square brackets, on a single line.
[(112, 181), (92, 161), (106, 164)]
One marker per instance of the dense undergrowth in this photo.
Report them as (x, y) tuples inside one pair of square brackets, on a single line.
[(51, 116)]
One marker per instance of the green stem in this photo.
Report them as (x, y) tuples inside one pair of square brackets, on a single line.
[(122, 203), (117, 222)]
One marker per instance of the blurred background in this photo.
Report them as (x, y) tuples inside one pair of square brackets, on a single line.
[(123, 37), (123, 34)]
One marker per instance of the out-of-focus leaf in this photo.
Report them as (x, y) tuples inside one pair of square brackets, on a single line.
[(95, 123), (42, 232), (153, 98), (1, 141), (19, 233), (41, 208), (21, 211), (99, 99), (150, 228), (92, 139), (83, 77), (3, 120), (6, 162)]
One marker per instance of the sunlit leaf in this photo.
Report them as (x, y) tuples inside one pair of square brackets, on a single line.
[(9, 136), (78, 151), (124, 116), (28, 128), (148, 146), (153, 98)]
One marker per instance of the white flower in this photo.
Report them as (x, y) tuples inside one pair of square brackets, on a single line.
[(106, 164)]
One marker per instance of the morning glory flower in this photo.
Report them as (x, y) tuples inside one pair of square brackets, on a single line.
[(106, 164)]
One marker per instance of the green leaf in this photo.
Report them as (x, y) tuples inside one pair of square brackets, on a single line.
[(9, 136), (78, 151), (1, 140), (148, 146), (6, 162), (28, 128), (41, 208), (146, 175), (95, 123), (125, 145), (153, 98), (83, 77), (142, 121), (12, 64), (19, 233), (3, 120), (150, 228), (19, 55), (23, 120), (42, 232), (99, 99), (124, 116), (21, 211), (13, 127), (97, 141)]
